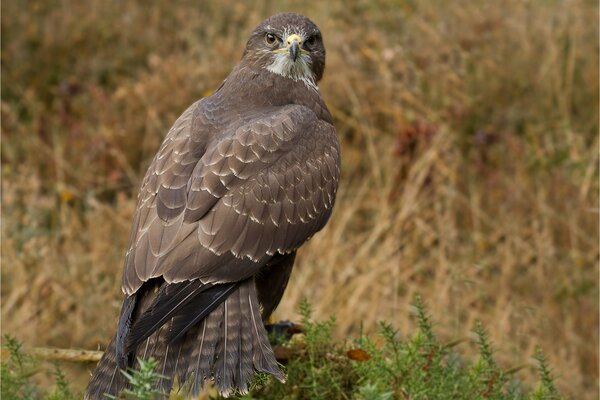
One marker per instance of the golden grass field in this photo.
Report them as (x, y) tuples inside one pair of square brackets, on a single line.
[(469, 134)]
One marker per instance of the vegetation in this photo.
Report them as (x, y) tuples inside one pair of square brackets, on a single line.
[(369, 368), (143, 381), (16, 370), (470, 166)]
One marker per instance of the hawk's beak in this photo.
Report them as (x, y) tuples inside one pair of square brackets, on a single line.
[(293, 45)]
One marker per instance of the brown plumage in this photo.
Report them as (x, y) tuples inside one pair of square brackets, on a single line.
[(243, 178)]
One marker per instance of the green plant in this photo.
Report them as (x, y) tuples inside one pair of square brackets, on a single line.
[(142, 382), (418, 367), (61, 390), (546, 389), (17, 371)]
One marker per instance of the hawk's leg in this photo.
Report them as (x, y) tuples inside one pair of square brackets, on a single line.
[(272, 280)]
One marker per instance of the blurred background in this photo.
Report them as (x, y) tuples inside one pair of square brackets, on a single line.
[(469, 134)]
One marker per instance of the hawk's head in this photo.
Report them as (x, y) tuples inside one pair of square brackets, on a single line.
[(290, 45)]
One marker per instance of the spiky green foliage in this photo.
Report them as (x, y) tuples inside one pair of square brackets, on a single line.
[(486, 370), (61, 390), (417, 367), (319, 372), (546, 389), (142, 382), (18, 370)]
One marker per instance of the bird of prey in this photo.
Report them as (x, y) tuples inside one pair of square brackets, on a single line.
[(243, 178)]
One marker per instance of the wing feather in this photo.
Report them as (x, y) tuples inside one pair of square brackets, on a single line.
[(263, 185)]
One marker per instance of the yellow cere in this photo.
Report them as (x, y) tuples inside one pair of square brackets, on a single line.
[(293, 37), (289, 40)]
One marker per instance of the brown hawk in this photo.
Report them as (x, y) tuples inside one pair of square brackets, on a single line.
[(243, 178)]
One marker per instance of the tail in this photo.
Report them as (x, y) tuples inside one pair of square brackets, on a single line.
[(106, 377), (228, 346)]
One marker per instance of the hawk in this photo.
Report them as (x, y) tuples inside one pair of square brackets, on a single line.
[(243, 178)]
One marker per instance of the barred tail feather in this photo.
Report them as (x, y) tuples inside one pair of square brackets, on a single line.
[(227, 346), (262, 353), (246, 349), (107, 377), (232, 344), (167, 356)]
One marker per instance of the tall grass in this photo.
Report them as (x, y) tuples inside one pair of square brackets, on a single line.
[(470, 163)]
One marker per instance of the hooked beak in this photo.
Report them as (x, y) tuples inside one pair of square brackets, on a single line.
[(294, 50), (293, 46)]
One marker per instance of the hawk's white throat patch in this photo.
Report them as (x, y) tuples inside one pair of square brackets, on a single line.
[(300, 70)]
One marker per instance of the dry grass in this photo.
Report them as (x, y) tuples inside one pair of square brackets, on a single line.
[(470, 163)]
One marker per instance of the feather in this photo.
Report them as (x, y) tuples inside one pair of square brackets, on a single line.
[(245, 368), (263, 357), (123, 330), (169, 300), (107, 377), (198, 307)]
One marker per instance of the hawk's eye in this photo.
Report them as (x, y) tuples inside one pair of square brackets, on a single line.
[(270, 39), (310, 42)]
